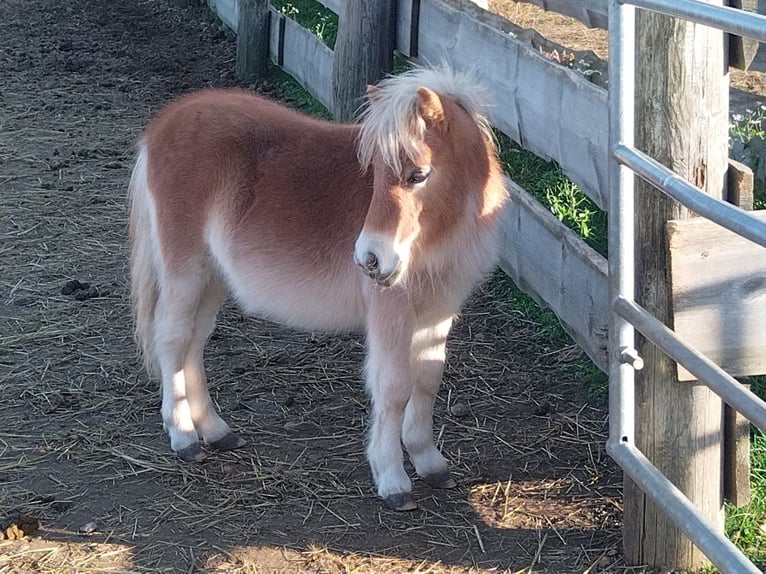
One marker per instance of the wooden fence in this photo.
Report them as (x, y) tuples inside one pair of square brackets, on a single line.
[(551, 110)]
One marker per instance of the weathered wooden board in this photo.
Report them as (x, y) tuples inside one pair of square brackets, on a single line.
[(226, 10), (736, 455), (334, 5), (719, 294), (304, 56), (407, 27), (549, 262), (549, 109)]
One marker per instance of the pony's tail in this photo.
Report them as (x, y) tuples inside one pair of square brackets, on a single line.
[(144, 281)]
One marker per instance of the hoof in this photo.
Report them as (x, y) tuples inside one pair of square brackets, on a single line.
[(192, 453), (441, 479), (401, 502), (228, 442)]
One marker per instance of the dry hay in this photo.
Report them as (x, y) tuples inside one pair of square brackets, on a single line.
[(81, 445)]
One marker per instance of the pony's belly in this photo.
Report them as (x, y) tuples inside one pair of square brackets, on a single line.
[(302, 301)]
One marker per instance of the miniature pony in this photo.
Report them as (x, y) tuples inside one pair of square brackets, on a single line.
[(385, 226)]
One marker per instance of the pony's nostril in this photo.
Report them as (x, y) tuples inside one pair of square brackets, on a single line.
[(370, 262)]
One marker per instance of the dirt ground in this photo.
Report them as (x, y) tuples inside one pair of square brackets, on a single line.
[(87, 480)]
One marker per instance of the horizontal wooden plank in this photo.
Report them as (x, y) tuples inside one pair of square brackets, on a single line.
[(305, 57), (406, 38), (592, 13), (549, 262), (547, 108), (226, 11), (719, 294), (334, 5)]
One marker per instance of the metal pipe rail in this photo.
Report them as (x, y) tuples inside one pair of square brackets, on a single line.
[(724, 214), (724, 18), (724, 385), (689, 520), (625, 314)]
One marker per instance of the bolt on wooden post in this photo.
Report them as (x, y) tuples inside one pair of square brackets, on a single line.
[(682, 111), (364, 52)]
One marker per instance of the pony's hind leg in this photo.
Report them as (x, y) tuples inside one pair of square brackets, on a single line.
[(389, 382), (428, 355), (208, 424), (179, 297)]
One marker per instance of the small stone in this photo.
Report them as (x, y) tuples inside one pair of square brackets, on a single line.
[(459, 409), (84, 294), (72, 286), (89, 527), (543, 408)]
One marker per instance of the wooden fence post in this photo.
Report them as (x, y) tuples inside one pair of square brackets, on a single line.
[(364, 51), (252, 38), (682, 107)]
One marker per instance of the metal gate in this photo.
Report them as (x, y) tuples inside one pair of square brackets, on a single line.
[(627, 316)]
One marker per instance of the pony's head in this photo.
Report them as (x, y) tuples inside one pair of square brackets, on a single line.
[(434, 164)]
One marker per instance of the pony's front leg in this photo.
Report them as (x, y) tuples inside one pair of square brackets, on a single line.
[(389, 382), (428, 355)]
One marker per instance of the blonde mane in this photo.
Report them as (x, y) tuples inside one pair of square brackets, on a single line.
[(390, 121)]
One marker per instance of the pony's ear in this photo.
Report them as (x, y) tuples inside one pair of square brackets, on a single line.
[(373, 92), (430, 106)]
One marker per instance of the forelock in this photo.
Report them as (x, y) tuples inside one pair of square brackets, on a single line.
[(390, 123)]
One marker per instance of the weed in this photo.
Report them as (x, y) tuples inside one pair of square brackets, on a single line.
[(548, 184), (744, 128)]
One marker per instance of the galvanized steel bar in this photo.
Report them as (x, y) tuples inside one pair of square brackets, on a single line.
[(621, 220), (733, 20), (732, 392), (725, 214), (625, 313), (721, 552)]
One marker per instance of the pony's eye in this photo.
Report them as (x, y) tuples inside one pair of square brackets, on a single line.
[(417, 176)]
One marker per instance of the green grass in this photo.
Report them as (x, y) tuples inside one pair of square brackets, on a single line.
[(749, 130), (296, 95), (548, 184)]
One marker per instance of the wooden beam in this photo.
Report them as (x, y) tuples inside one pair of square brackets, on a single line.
[(740, 185), (252, 38), (742, 50), (736, 468), (226, 11), (718, 280), (682, 110), (736, 427), (334, 5), (549, 262), (302, 55), (364, 52)]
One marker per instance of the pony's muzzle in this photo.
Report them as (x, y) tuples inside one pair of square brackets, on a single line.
[(383, 275)]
